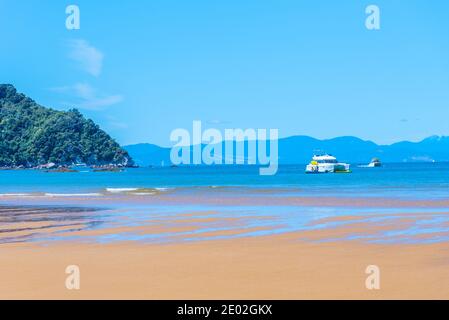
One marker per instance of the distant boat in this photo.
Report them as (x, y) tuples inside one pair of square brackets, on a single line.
[(375, 163), (326, 163)]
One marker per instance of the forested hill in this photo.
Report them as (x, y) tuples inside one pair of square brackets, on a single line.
[(32, 135)]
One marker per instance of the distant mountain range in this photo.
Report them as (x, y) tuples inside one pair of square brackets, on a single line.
[(299, 150)]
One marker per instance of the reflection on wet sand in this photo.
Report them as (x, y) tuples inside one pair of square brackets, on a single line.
[(180, 217), (28, 223)]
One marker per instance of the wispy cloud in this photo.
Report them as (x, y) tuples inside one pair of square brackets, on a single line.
[(100, 103), (86, 97), (82, 90), (89, 57), (114, 124)]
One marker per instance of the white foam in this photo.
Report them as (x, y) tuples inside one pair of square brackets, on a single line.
[(162, 189), (73, 195), (120, 190)]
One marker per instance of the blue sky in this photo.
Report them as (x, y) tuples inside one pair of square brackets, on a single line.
[(143, 68)]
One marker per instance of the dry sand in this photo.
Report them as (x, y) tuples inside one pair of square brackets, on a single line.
[(274, 267)]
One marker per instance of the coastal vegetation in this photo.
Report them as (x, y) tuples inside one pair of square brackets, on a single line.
[(32, 135)]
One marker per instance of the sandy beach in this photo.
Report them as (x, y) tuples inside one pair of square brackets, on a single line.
[(280, 267), (182, 253)]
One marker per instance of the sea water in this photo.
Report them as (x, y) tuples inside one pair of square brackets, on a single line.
[(416, 180)]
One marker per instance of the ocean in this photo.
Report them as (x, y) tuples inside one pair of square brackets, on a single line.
[(422, 180)]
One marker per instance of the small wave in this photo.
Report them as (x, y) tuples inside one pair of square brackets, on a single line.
[(138, 191), (162, 189), (16, 195), (121, 190), (56, 195)]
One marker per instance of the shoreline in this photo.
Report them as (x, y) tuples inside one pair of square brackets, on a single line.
[(227, 195)]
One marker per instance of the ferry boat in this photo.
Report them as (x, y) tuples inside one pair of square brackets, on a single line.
[(326, 163)]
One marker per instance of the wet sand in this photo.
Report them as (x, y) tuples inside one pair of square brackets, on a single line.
[(224, 197)]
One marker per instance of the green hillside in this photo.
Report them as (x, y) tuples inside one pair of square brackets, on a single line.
[(32, 135)]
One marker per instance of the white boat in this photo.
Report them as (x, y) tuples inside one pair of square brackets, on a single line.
[(375, 163), (326, 163)]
